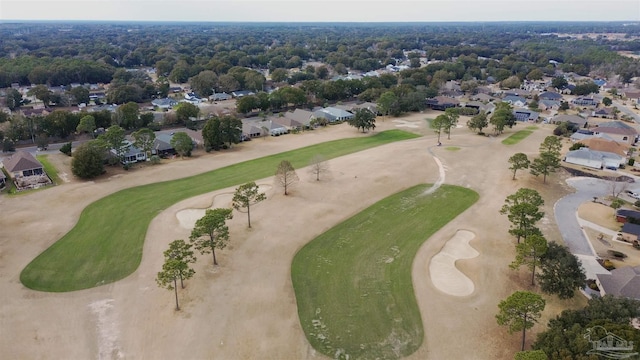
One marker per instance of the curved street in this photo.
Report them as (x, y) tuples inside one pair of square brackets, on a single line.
[(566, 213)]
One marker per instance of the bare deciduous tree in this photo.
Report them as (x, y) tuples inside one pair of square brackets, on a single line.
[(617, 186), (318, 166), (286, 175)]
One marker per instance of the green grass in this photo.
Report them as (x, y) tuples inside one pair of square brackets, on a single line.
[(517, 137), (49, 168), (353, 283), (532, 127), (452, 148), (106, 243)]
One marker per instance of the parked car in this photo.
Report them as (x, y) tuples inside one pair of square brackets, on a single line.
[(633, 194)]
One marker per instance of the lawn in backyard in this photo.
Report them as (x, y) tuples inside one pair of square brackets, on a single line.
[(106, 243), (353, 283), (518, 136), (49, 168)]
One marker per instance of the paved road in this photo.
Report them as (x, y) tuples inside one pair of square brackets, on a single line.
[(566, 212), (625, 110)]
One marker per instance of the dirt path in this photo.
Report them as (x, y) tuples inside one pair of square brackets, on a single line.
[(245, 308)]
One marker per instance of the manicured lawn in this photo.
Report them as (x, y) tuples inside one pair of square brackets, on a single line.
[(106, 243), (517, 137), (49, 168), (353, 283), (452, 148)]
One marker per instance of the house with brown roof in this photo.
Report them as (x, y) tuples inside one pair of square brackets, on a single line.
[(621, 282), (601, 144), (26, 171), (618, 131), (632, 95)]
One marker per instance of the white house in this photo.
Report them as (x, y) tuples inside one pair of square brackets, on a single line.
[(594, 159)]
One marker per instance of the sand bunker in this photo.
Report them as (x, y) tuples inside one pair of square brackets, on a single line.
[(442, 268), (406, 124), (188, 217)]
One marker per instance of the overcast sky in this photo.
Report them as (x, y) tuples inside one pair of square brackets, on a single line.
[(328, 10)]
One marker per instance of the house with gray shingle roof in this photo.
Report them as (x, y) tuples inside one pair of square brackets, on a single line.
[(622, 282), (165, 103), (302, 116), (594, 159), (572, 119), (549, 95), (26, 171), (517, 101), (549, 104), (333, 114)]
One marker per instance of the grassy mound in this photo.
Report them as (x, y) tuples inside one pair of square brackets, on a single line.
[(353, 283), (517, 137), (106, 243)]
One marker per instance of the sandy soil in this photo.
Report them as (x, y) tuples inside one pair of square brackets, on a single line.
[(245, 308)]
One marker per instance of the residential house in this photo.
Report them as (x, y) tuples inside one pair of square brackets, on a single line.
[(441, 103), (487, 108), (302, 116), (525, 115), (549, 95), (3, 180), (515, 101), (632, 95), (98, 108), (130, 153), (605, 113), (575, 120), (34, 112), (549, 104), (238, 94), (623, 215), (192, 98), (373, 107), (273, 127), (165, 103), (619, 131), (26, 171), (518, 92), (333, 114), (584, 101), (583, 134), (162, 145), (288, 123), (621, 282), (600, 144), (594, 159), (253, 130), (220, 97), (630, 232), (482, 97)]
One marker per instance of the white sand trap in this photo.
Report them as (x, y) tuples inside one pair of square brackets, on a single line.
[(406, 124), (442, 268), (188, 217)]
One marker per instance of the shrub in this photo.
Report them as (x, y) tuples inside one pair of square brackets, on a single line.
[(155, 160), (631, 161), (66, 149), (617, 254), (608, 265)]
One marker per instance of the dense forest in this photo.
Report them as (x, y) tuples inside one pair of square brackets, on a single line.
[(63, 53), (298, 59)]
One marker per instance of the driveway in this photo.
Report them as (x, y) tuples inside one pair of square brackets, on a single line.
[(566, 212)]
